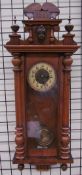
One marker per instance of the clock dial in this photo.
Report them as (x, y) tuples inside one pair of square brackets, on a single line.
[(41, 77)]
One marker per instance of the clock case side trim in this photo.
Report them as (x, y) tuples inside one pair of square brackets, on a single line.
[(18, 62), (65, 130)]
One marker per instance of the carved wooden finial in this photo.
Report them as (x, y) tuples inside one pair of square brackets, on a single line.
[(69, 27), (68, 37), (46, 11), (15, 27), (15, 20), (20, 167), (69, 20)]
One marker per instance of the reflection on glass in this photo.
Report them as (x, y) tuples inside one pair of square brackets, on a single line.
[(42, 135), (34, 128)]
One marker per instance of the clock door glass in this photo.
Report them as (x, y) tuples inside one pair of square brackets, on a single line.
[(39, 133), (41, 107)]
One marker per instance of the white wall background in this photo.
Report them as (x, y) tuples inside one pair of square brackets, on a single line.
[(8, 9)]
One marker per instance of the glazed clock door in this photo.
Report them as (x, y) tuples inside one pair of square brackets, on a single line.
[(42, 89)]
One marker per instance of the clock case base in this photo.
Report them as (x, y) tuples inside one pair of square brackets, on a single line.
[(47, 162)]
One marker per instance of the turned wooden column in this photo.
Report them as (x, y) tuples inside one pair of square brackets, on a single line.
[(52, 35), (65, 131), (17, 62)]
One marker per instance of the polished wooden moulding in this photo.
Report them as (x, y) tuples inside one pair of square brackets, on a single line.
[(42, 66)]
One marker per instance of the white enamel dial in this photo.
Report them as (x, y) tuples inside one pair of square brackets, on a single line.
[(41, 77)]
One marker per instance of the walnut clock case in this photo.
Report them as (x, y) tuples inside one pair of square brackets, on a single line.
[(42, 66)]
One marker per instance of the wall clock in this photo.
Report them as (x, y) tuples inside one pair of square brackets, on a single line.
[(42, 65)]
